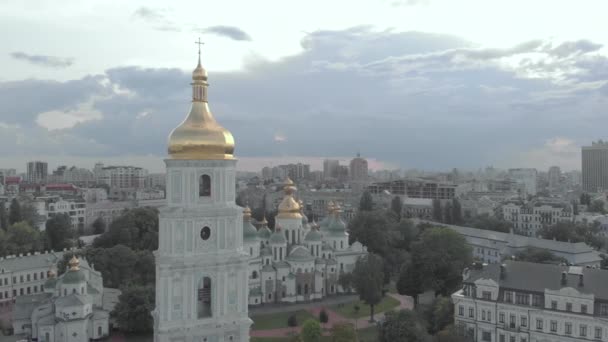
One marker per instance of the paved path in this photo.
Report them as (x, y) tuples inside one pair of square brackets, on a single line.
[(405, 302), (281, 307)]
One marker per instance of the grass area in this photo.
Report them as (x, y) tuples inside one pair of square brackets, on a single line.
[(348, 310), (278, 320), (369, 334)]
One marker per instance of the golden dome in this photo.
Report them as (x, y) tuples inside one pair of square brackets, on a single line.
[(247, 213), (289, 207), (199, 136), (51, 273), (74, 263), (330, 207)]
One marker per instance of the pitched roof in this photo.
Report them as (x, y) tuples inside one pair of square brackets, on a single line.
[(528, 276), (44, 260)]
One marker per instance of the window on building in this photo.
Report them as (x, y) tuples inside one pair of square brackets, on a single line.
[(501, 338), (489, 315), (598, 333), (583, 330), (512, 321), (522, 299), (554, 304), (604, 309), (501, 317), (553, 326), (99, 331), (568, 328), (539, 324), (254, 275), (471, 313), (508, 296), (204, 186), (21, 278), (523, 339), (28, 277), (568, 306), (460, 310), (299, 289), (21, 291), (204, 298), (305, 289), (483, 315), (486, 336), (35, 276), (487, 295), (537, 300), (35, 288), (511, 338), (583, 308), (523, 321), (41, 275)]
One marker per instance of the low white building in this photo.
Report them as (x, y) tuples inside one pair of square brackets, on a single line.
[(71, 308), (417, 207), (25, 274), (530, 302), (492, 247)]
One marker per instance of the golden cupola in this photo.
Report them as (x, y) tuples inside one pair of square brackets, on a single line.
[(199, 136), (289, 207)]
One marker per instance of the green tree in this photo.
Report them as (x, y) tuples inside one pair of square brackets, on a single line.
[(451, 334), (440, 256), (441, 314), (311, 331), (132, 312), (585, 199), (29, 214), (487, 222), (346, 281), (343, 332), (448, 213), (437, 211), (370, 228), (59, 231), (397, 206), (3, 217), (410, 282), (14, 212), (136, 228), (537, 255), (597, 206), (367, 202), (368, 279), (22, 238), (574, 207), (292, 321), (323, 316), (402, 234), (99, 226), (404, 325)]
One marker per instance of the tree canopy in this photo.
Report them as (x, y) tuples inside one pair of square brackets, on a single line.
[(367, 202), (20, 238), (311, 331), (14, 212), (343, 332), (136, 228), (538, 255), (404, 325), (368, 280), (59, 232), (397, 206), (133, 309)]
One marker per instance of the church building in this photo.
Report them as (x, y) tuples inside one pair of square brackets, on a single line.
[(299, 261)]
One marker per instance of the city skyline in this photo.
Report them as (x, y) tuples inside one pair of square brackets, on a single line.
[(426, 94)]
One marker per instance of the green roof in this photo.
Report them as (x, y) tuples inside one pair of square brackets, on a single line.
[(264, 232), (314, 235), (337, 225), (300, 253), (73, 277), (249, 231), (277, 237)]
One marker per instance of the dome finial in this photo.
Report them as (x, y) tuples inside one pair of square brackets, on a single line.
[(74, 263), (247, 213), (199, 50)]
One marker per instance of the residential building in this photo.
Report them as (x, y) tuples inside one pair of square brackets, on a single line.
[(595, 167), (296, 172), (331, 168), (554, 175), (528, 218), (123, 177), (417, 207), (108, 211), (8, 172), (358, 169), (526, 180), (70, 308), (531, 302), (155, 181), (49, 206), (37, 171), (266, 173), (415, 188), (25, 274)]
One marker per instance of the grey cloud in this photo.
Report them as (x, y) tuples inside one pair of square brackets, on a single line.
[(410, 98), (566, 49), (43, 60), (159, 18), (230, 32)]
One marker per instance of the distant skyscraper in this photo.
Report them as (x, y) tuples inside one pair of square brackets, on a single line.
[(554, 176), (358, 169), (595, 166), (37, 171), (330, 168), (266, 173)]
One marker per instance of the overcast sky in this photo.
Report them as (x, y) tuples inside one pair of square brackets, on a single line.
[(425, 84)]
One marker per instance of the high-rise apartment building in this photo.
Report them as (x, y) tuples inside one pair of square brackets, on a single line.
[(37, 171), (526, 179), (124, 177), (331, 168), (358, 169), (554, 175), (595, 166)]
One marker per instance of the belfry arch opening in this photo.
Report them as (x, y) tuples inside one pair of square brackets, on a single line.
[(204, 186), (204, 298)]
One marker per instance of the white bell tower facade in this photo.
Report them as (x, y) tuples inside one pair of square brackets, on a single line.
[(201, 266)]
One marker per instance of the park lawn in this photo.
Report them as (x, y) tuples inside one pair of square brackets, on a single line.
[(278, 320), (347, 310), (369, 334)]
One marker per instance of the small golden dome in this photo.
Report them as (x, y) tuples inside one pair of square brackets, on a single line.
[(247, 213), (264, 221), (199, 136), (289, 207), (74, 263), (330, 207), (51, 273)]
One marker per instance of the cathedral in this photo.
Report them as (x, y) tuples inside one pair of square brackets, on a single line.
[(69, 310), (299, 261)]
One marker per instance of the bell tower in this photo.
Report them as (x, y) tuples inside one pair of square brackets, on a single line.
[(201, 266)]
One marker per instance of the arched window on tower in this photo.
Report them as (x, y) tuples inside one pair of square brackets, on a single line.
[(204, 186), (204, 297)]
